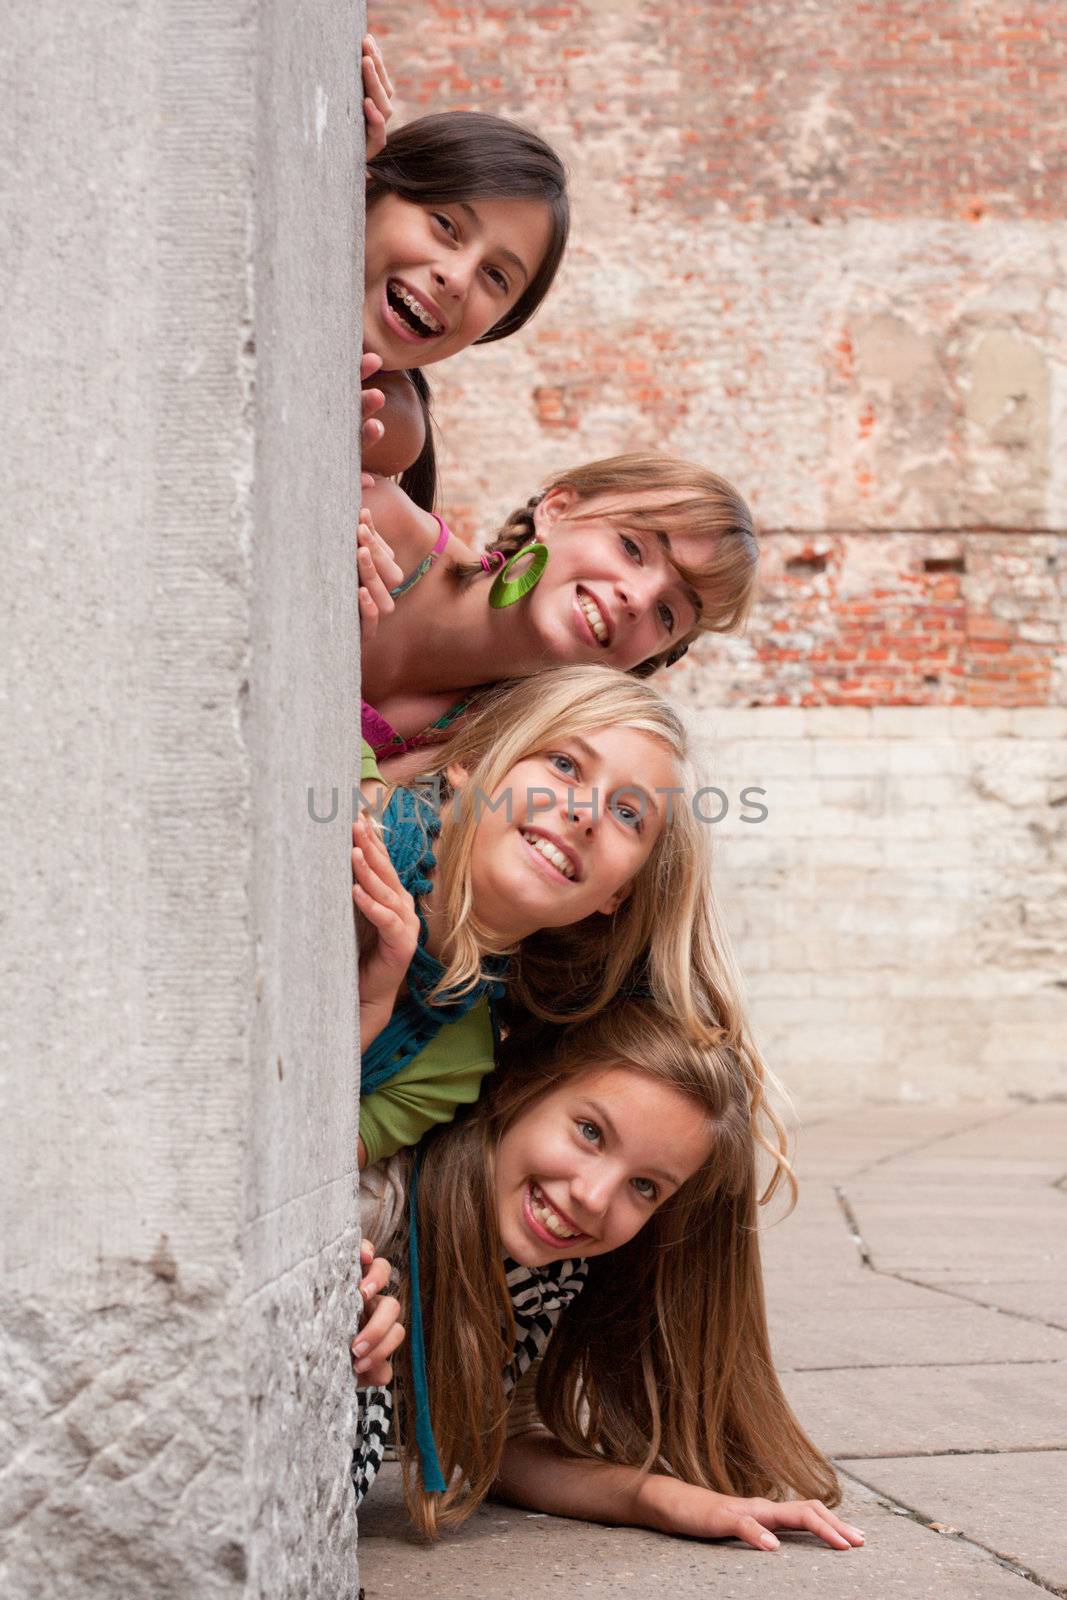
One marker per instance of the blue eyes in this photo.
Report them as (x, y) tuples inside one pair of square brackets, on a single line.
[(636, 554), (591, 1133), (630, 816)]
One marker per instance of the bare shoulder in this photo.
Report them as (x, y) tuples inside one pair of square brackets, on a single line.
[(409, 531), (404, 421)]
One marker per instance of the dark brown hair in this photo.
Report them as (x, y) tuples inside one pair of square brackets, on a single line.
[(469, 155)]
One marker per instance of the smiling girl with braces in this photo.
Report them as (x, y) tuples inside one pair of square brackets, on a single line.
[(440, 173)]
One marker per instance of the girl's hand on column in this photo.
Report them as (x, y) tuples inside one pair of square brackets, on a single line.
[(378, 572), (701, 1513), (371, 430), (380, 1332), (378, 93), (390, 910)]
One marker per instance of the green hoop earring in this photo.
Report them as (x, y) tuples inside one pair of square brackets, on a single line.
[(506, 591)]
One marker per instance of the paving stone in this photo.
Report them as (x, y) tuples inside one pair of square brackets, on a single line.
[(1045, 1302), (1031, 1138), (816, 1232), (506, 1554), (1011, 1504), (915, 1410), (847, 1143), (873, 1324), (956, 1228)]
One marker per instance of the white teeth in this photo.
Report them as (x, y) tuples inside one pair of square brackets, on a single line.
[(548, 1216), (546, 848), (594, 618), (418, 308)]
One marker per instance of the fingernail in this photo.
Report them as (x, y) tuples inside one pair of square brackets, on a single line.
[(360, 1347), (361, 1366), (769, 1542)]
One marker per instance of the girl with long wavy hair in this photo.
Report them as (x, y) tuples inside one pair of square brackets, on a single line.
[(560, 861), (593, 1316)]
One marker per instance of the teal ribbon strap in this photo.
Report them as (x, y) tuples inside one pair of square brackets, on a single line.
[(432, 1477)]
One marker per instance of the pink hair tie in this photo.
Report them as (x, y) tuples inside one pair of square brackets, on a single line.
[(490, 558)]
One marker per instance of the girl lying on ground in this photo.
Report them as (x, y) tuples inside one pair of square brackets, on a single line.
[(622, 562), (565, 862), (592, 1305)]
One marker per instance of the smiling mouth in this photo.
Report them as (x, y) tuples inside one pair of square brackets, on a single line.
[(595, 617), (551, 853), (411, 311), (545, 1213)]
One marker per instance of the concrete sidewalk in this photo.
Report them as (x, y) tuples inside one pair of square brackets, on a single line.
[(919, 1308)]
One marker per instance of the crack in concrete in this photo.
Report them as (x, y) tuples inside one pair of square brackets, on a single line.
[(852, 1224), (897, 1366), (867, 1260), (938, 1138), (978, 1450), (973, 1300), (902, 1509)]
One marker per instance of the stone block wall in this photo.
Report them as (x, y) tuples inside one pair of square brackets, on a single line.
[(179, 299), (899, 913)]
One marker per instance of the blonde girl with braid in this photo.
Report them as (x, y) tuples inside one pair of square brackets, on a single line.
[(593, 1316), (622, 562)]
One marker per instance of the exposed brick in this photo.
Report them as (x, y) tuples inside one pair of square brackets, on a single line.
[(820, 111), (815, 248), (875, 628)]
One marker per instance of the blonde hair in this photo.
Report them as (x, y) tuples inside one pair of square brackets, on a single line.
[(705, 507), (663, 1362), (680, 953)]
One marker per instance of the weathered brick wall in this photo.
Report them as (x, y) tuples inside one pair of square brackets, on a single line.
[(820, 249)]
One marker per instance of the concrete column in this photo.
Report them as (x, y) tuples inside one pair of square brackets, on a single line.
[(180, 299)]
